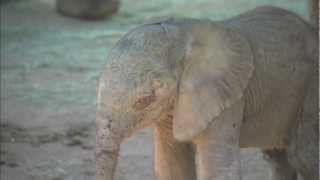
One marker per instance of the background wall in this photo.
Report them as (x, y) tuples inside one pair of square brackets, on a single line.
[(49, 68)]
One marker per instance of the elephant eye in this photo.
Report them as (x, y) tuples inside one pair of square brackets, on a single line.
[(144, 101)]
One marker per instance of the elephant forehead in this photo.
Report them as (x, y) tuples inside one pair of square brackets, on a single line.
[(151, 38), (140, 51)]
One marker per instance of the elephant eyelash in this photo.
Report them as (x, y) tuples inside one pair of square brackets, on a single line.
[(144, 102)]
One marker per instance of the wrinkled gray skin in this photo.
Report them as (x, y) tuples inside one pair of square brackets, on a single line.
[(87, 9), (208, 89), (304, 147)]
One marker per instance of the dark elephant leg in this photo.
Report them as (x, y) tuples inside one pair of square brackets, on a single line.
[(304, 151), (282, 170), (304, 147), (173, 160)]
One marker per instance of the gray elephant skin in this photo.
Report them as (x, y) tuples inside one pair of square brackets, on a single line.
[(210, 88), (87, 9)]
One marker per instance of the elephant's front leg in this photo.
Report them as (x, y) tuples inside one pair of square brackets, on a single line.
[(217, 147), (173, 160)]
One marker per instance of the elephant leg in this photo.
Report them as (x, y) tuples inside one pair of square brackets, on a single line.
[(217, 147), (282, 170), (173, 160), (304, 146)]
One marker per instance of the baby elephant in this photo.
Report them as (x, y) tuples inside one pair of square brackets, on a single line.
[(208, 89)]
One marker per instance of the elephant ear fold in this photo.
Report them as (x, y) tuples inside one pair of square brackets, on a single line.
[(217, 69)]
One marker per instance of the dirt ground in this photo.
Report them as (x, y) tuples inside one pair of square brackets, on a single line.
[(49, 68)]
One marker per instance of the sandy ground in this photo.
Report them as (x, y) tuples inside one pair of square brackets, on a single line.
[(49, 68)]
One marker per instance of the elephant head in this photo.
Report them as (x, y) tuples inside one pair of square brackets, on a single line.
[(190, 69)]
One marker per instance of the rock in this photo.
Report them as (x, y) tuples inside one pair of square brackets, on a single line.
[(88, 9)]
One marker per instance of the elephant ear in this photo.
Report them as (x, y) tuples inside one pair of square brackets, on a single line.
[(218, 66)]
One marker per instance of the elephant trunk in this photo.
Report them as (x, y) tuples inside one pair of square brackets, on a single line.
[(108, 141), (106, 162)]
